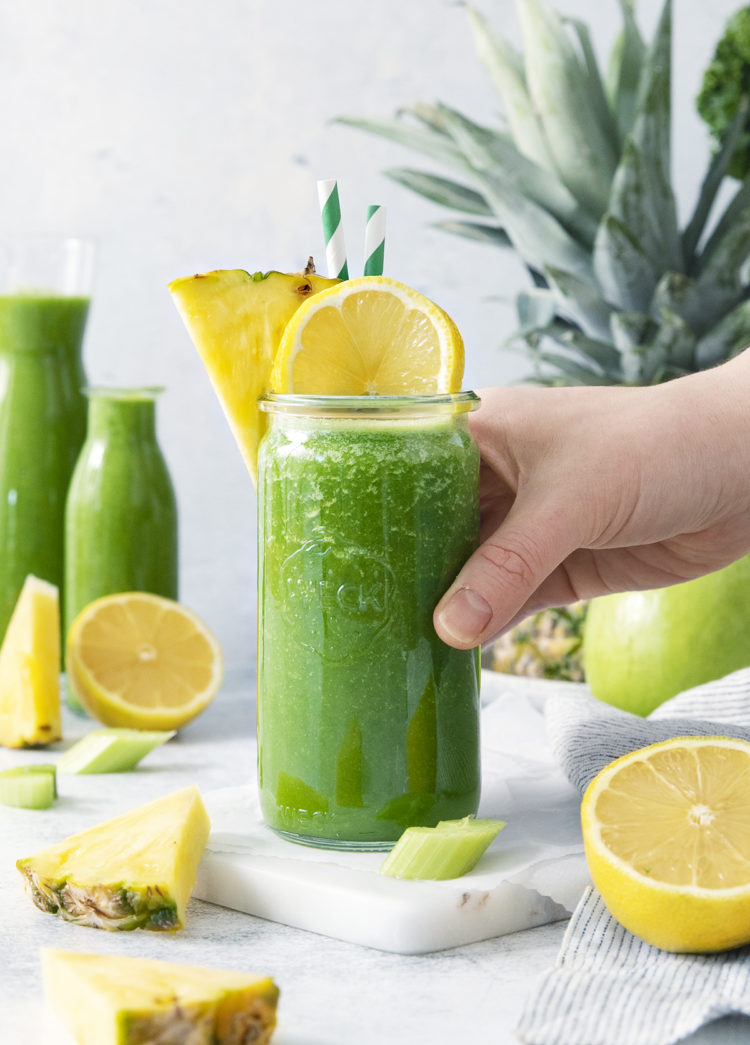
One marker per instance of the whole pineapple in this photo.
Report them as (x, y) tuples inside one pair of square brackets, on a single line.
[(577, 181)]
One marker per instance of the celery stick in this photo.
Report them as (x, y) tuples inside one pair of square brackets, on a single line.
[(449, 850), (110, 750), (28, 787)]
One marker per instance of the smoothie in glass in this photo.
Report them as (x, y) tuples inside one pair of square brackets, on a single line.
[(42, 425), (367, 721)]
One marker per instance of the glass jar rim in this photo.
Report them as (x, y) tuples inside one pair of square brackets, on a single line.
[(368, 405)]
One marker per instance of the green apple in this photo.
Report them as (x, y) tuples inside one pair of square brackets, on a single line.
[(640, 648)]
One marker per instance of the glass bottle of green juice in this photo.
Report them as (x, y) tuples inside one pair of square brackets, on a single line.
[(367, 722), (121, 512), (44, 286)]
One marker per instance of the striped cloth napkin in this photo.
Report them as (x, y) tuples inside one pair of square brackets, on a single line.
[(609, 988)]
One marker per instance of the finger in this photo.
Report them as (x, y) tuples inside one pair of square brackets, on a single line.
[(503, 575)]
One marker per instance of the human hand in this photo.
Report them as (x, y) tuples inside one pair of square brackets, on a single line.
[(586, 491)]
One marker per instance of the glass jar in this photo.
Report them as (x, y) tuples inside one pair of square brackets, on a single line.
[(367, 722), (44, 287), (121, 513)]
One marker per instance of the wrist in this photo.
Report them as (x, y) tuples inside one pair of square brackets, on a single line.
[(713, 407)]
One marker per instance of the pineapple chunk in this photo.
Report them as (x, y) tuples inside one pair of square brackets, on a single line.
[(105, 999), (235, 321), (135, 871), (30, 668), (547, 645)]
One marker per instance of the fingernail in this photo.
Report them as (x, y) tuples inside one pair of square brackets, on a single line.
[(465, 616)]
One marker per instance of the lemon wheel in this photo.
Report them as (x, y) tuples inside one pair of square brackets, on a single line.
[(142, 661), (667, 836), (369, 336)]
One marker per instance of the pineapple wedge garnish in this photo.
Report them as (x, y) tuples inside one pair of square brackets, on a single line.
[(134, 871), (105, 999), (30, 668), (235, 320)]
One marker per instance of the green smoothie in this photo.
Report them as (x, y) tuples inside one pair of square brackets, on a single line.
[(121, 516), (42, 424), (367, 722)]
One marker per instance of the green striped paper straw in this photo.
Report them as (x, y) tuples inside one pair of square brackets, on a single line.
[(333, 230), (375, 240)]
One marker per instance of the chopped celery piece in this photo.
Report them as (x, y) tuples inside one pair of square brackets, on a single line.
[(110, 750), (28, 787), (449, 850)]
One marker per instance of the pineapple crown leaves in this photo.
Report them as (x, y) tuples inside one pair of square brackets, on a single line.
[(577, 181)]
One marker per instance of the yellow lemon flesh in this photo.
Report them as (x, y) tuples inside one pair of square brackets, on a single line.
[(369, 336), (235, 320), (142, 661), (667, 836)]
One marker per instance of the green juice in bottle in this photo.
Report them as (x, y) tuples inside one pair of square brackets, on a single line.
[(42, 425), (121, 512)]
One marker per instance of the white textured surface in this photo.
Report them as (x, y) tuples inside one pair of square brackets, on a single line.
[(533, 873), (333, 993), (360, 906), (189, 136)]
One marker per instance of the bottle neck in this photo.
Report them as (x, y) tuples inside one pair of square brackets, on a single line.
[(122, 418)]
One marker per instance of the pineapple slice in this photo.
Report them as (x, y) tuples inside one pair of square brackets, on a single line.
[(236, 320), (135, 871), (30, 668), (105, 999)]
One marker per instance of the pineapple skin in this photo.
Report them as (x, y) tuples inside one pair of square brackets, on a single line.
[(112, 906), (29, 669), (133, 872), (116, 1000)]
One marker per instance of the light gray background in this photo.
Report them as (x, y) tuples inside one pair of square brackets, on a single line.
[(189, 136)]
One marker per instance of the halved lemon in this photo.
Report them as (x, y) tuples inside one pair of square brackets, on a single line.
[(667, 836), (369, 336), (142, 661)]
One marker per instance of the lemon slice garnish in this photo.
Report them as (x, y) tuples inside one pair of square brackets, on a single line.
[(369, 336)]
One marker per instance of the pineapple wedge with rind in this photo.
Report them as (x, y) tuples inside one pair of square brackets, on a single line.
[(134, 871), (30, 668), (235, 320), (113, 1000)]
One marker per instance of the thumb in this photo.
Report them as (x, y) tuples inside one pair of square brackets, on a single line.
[(501, 576)]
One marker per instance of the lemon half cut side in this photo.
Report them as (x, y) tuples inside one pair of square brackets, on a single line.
[(666, 831), (142, 661), (369, 336)]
